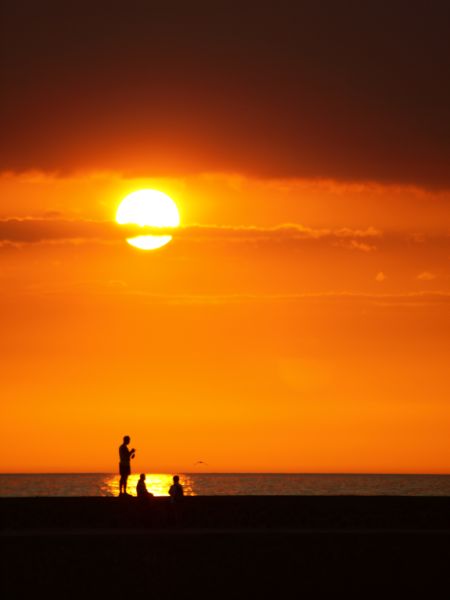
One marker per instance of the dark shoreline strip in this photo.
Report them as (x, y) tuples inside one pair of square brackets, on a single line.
[(229, 513)]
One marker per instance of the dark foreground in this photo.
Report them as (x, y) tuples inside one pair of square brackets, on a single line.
[(224, 547)]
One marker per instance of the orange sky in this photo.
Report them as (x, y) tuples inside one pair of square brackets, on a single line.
[(299, 320), (299, 326)]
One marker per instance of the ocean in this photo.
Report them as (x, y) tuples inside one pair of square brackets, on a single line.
[(223, 484)]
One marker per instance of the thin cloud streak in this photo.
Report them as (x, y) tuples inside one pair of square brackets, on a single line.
[(17, 233), (121, 288), (37, 230)]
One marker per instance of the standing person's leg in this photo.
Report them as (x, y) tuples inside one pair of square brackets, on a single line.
[(123, 479), (125, 474)]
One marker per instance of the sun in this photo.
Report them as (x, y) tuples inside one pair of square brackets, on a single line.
[(148, 208)]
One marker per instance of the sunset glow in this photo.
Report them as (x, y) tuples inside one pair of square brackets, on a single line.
[(291, 163)]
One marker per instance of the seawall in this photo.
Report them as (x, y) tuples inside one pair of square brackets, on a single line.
[(228, 512), (225, 547)]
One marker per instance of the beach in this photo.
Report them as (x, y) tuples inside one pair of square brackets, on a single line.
[(231, 547)]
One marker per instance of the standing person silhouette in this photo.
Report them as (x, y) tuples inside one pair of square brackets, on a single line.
[(125, 456)]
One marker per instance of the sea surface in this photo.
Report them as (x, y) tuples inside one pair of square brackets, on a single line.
[(220, 484)]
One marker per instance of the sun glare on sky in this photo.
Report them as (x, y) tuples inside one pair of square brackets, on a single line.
[(150, 208)]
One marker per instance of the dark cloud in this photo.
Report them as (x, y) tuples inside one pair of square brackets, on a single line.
[(348, 90)]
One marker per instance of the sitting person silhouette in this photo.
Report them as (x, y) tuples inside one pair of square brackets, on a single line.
[(141, 488), (176, 494), (176, 490)]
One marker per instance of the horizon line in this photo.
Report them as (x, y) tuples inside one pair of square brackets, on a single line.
[(231, 473)]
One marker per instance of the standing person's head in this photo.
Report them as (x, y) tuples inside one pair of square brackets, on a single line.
[(126, 440), (176, 479)]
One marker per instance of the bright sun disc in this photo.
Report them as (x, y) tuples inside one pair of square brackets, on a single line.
[(148, 208)]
